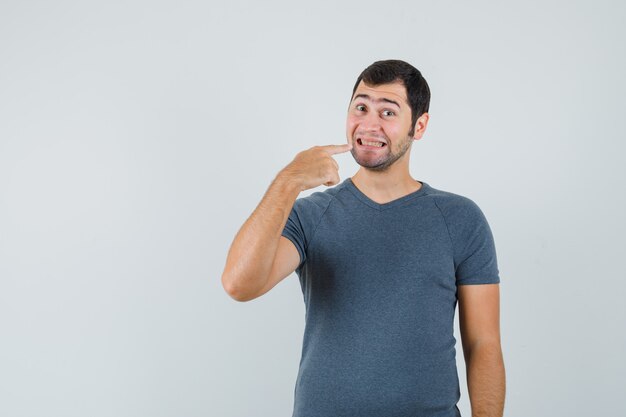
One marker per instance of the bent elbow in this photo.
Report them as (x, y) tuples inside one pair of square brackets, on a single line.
[(234, 291)]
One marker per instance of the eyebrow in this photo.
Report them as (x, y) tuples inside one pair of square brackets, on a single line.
[(386, 100)]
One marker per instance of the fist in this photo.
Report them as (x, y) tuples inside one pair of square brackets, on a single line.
[(315, 166)]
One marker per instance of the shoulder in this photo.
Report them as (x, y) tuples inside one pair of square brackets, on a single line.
[(317, 201), (463, 217), (455, 207)]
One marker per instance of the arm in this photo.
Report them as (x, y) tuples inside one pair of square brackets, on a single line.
[(479, 320), (258, 258), (254, 248)]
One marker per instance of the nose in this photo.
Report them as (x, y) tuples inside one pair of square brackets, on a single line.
[(370, 123)]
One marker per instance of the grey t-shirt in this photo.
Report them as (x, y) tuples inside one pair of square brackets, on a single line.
[(379, 284)]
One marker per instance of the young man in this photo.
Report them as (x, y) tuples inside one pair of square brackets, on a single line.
[(382, 260)]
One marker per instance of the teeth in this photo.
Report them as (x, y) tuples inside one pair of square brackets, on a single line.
[(371, 143)]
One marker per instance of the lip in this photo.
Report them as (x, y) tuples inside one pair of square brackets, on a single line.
[(360, 145)]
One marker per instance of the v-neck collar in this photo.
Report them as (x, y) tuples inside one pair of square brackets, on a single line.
[(390, 204)]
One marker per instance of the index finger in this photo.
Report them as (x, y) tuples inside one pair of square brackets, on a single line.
[(334, 149)]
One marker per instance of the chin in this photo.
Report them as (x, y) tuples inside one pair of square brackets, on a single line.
[(372, 166)]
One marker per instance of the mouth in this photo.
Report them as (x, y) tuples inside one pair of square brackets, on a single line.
[(370, 144)]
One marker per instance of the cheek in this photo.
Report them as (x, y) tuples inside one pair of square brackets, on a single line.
[(394, 129), (350, 125), (392, 132)]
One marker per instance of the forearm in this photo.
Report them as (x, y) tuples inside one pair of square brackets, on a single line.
[(252, 252), (486, 380)]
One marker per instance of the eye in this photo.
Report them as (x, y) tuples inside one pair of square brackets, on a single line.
[(360, 107), (388, 113)]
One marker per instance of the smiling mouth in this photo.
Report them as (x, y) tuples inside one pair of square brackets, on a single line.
[(370, 144)]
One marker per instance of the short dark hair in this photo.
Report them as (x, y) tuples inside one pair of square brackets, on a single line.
[(393, 70)]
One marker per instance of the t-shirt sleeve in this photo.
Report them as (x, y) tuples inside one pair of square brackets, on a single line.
[(303, 220), (475, 258), (294, 231)]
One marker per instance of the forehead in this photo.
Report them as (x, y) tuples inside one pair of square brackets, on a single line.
[(394, 91)]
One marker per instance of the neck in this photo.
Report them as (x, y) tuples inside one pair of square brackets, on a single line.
[(385, 186)]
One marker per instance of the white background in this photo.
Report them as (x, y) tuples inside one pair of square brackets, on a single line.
[(136, 137)]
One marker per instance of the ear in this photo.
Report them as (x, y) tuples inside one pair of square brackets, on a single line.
[(420, 126)]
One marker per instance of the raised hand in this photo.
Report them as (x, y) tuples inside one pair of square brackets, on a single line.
[(315, 166)]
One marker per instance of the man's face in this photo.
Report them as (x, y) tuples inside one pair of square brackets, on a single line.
[(379, 114)]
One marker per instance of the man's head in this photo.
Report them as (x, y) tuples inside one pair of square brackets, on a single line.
[(389, 104), (394, 70)]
